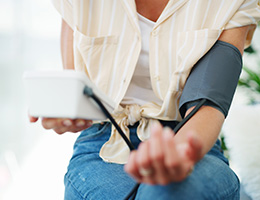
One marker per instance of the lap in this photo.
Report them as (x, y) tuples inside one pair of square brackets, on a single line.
[(89, 177), (211, 179)]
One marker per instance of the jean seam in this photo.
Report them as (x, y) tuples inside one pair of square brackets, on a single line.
[(227, 196), (231, 194), (73, 186)]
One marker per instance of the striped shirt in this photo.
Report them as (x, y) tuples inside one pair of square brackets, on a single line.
[(107, 44)]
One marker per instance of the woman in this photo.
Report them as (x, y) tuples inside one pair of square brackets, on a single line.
[(156, 60)]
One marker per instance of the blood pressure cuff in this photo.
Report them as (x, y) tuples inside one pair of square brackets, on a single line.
[(214, 77)]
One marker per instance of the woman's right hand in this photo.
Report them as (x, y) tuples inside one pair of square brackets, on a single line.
[(62, 125)]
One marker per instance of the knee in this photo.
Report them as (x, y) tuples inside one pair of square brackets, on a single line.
[(70, 191), (191, 188), (179, 191)]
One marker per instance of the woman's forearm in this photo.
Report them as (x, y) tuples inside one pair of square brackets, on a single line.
[(205, 125)]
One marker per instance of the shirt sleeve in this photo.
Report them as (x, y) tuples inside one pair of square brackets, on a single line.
[(65, 8), (247, 14)]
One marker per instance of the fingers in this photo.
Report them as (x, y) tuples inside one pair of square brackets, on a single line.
[(161, 159), (157, 155), (143, 159), (61, 126), (172, 159), (145, 163), (33, 119), (195, 150), (132, 168)]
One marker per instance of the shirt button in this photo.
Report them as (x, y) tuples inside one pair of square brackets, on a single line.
[(155, 33), (157, 78)]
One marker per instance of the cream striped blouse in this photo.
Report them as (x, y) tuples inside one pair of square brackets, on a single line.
[(107, 44)]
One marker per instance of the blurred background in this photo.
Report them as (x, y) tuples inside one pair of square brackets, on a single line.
[(32, 160)]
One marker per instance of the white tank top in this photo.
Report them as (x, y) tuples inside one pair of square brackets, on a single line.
[(140, 89)]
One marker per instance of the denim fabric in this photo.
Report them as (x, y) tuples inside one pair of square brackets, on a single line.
[(88, 177)]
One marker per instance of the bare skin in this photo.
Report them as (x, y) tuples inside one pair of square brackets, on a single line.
[(150, 9), (170, 157)]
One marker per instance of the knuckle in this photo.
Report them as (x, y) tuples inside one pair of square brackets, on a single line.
[(151, 181), (49, 123), (144, 162), (81, 123), (132, 158), (164, 181), (45, 124), (127, 168), (172, 164), (180, 178), (58, 131), (158, 156), (130, 170)]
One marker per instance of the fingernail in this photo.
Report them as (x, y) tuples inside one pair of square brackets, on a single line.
[(167, 129), (67, 122), (156, 123), (80, 123), (167, 133), (48, 123), (156, 127)]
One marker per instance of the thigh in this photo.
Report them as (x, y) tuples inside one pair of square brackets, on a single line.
[(91, 178), (212, 179), (88, 176)]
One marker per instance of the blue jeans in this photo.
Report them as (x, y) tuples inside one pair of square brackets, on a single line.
[(89, 177)]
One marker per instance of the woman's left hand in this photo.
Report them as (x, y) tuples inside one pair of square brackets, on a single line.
[(163, 159)]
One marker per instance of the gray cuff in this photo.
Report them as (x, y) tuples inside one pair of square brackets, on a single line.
[(214, 78), (207, 103)]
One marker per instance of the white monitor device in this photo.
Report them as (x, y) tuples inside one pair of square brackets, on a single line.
[(59, 94)]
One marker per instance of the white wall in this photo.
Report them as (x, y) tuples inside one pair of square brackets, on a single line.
[(32, 160)]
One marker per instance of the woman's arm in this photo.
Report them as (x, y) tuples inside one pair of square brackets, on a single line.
[(236, 37), (200, 123), (172, 158)]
